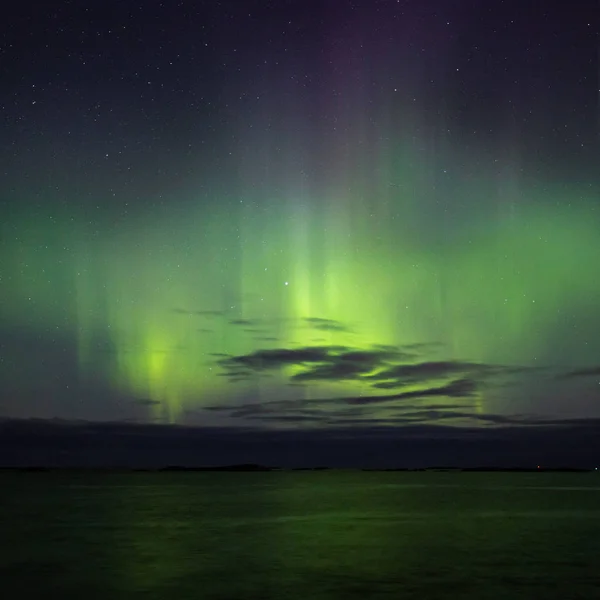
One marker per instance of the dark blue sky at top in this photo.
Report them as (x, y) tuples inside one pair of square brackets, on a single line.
[(156, 86)]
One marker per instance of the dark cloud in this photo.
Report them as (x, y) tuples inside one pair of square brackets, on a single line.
[(432, 417), (587, 372), (325, 324), (315, 323), (284, 409), (402, 375), (389, 385), (410, 373), (439, 414), (347, 408), (460, 388), (382, 367), (332, 363), (427, 415), (237, 375), (332, 407), (334, 371), (378, 367), (252, 411), (371, 358), (349, 364), (272, 406), (264, 360), (146, 402), (386, 347)]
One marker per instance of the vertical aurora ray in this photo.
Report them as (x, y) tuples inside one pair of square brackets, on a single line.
[(152, 302), (157, 351)]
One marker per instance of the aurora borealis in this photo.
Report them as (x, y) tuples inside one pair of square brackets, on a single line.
[(301, 215)]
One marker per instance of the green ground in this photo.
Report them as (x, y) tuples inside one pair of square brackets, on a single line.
[(300, 535)]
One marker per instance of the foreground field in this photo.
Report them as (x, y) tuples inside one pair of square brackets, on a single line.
[(300, 535)]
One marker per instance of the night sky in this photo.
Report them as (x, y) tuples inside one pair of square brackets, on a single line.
[(347, 228)]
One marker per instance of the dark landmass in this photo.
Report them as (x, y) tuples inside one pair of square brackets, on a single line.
[(57, 444)]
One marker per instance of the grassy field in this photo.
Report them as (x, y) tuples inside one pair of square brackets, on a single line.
[(301, 535)]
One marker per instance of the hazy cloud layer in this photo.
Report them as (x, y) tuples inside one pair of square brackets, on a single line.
[(386, 379)]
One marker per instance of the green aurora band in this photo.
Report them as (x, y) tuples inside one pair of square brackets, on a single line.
[(155, 300)]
